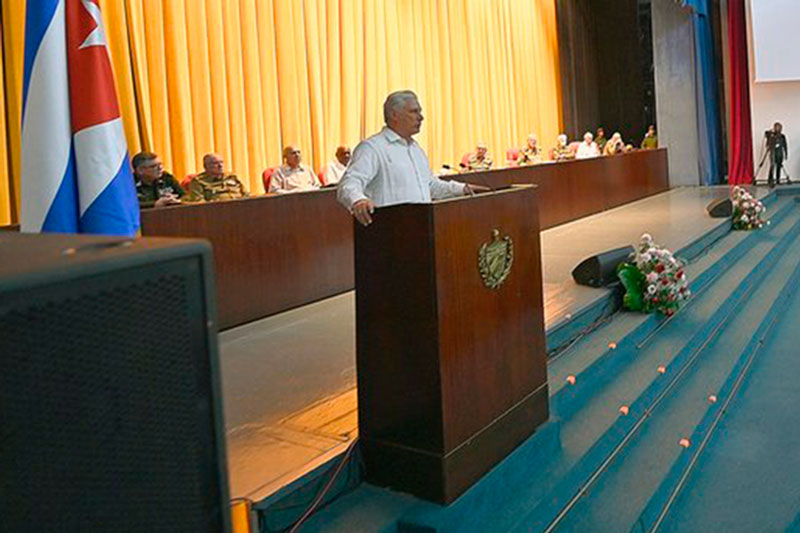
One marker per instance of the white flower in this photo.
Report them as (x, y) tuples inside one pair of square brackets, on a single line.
[(646, 237), (745, 219), (651, 289), (646, 257)]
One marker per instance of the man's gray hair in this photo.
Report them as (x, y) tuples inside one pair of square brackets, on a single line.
[(396, 101)]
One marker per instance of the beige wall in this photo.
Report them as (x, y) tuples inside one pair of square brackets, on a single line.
[(770, 102)]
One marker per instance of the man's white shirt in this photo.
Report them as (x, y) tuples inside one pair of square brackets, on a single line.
[(334, 172), (389, 170), (287, 179), (586, 151)]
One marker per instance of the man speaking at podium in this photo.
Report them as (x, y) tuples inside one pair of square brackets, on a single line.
[(391, 168)]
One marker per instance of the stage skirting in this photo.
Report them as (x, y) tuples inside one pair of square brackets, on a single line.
[(274, 253)]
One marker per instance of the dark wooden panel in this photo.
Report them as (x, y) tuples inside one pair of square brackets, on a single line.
[(636, 175), (10, 227), (574, 189), (398, 373), (271, 253), (490, 341), (452, 374)]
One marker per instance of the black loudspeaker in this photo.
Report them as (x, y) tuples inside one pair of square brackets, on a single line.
[(110, 411), (600, 270), (721, 208)]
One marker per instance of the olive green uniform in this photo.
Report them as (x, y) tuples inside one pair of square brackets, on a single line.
[(562, 153), (149, 193), (650, 142), (206, 188), (529, 156), (474, 164)]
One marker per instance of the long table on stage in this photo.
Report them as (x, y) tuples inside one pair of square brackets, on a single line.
[(271, 253), (570, 190), (274, 253)]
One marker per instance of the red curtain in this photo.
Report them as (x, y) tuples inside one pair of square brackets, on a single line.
[(740, 159)]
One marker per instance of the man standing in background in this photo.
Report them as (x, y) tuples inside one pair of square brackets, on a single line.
[(778, 153)]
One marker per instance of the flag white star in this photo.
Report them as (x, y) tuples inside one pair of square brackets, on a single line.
[(98, 35)]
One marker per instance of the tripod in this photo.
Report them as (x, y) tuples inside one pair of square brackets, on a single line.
[(765, 152)]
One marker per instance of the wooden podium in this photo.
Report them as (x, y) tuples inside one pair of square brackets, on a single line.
[(451, 356)]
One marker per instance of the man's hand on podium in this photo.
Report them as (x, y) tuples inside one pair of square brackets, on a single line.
[(471, 189), (363, 210)]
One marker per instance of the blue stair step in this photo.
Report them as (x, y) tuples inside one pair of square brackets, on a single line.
[(621, 491), (745, 465), (636, 382)]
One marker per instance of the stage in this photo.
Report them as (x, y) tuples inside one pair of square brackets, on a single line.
[(289, 379)]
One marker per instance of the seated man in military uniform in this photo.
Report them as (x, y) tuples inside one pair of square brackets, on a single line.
[(213, 184), (650, 141), (562, 151), (600, 139), (154, 187), (480, 160), (614, 145), (531, 154)]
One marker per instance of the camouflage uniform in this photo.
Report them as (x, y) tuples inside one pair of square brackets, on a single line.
[(562, 153), (205, 187), (474, 164), (529, 156)]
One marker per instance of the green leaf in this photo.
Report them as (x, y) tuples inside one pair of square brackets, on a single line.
[(634, 283)]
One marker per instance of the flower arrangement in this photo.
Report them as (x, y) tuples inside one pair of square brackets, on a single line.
[(654, 279), (748, 211)]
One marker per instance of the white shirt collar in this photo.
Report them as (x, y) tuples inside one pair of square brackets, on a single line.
[(392, 136)]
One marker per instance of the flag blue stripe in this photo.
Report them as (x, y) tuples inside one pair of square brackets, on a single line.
[(38, 15), (116, 210), (62, 217)]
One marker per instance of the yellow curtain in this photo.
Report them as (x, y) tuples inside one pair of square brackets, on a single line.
[(5, 175), (13, 24), (247, 77)]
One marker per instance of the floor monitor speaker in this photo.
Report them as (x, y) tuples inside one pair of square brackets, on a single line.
[(110, 411), (720, 208), (601, 269)]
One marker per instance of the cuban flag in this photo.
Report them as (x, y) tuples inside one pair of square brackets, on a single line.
[(76, 177)]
